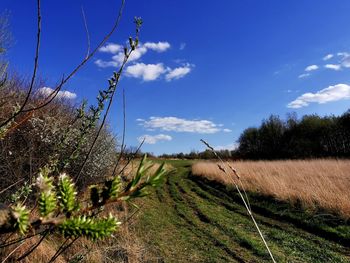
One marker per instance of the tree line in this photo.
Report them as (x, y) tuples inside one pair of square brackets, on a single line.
[(312, 136)]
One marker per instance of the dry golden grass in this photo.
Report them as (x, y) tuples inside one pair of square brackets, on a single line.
[(315, 183)]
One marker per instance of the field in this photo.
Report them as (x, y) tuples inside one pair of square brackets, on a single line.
[(314, 184), (194, 219)]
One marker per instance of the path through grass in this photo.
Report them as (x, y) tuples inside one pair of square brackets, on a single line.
[(190, 220)]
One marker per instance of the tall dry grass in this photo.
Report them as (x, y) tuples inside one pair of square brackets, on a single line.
[(314, 183)]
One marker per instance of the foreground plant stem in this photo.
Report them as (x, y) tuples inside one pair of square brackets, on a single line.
[(245, 202)]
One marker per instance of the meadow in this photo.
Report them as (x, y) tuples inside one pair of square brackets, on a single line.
[(198, 219), (73, 190), (314, 184)]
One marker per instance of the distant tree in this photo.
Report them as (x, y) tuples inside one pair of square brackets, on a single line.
[(250, 143), (271, 135), (310, 137)]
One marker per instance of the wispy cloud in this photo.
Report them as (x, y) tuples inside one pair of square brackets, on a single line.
[(147, 72), (106, 64), (135, 55), (307, 70), (345, 59), (332, 93), (144, 71), (62, 94), (230, 147), (153, 139), (181, 125), (111, 48), (333, 66), (311, 68), (328, 57), (118, 52), (182, 46), (304, 75), (159, 47), (340, 60), (178, 73)]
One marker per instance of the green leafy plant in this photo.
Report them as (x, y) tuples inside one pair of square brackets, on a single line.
[(57, 204), (60, 209)]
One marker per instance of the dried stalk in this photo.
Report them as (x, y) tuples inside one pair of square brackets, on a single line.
[(245, 200)]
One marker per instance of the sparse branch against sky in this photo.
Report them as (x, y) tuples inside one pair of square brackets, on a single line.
[(202, 69)]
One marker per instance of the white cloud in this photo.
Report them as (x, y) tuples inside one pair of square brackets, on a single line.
[(227, 130), (311, 68), (178, 73), (345, 61), (111, 48), (182, 46), (332, 93), (304, 75), (147, 72), (118, 52), (328, 57), (105, 64), (153, 139), (62, 94), (135, 55), (159, 47), (333, 66), (181, 125), (343, 54), (230, 147)]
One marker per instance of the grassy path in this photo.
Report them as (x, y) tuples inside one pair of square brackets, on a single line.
[(189, 220)]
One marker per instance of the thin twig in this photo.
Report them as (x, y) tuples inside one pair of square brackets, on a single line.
[(132, 157), (9, 243), (13, 251), (58, 250), (133, 214), (64, 80), (122, 148), (62, 250), (84, 61), (36, 60), (30, 251), (10, 186), (243, 199), (104, 116), (87, 32)]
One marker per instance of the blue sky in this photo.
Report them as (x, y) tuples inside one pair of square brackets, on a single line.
[(203, 70)]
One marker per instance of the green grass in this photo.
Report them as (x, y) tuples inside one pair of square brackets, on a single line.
[(193, 220)]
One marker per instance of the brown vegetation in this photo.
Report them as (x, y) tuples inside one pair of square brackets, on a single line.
[(313, 183), (124, 246)]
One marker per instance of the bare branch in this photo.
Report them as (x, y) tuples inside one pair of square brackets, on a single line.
[(13, 251), (64, 80), (12, 185), (30, 251), (83, 62), (36, 60), (87, 32), (122, 147), (58, 251)]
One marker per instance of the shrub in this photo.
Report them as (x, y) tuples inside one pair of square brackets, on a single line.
[(49, 151)]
